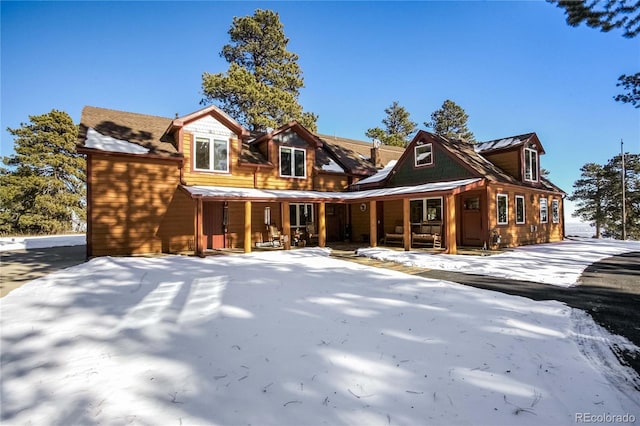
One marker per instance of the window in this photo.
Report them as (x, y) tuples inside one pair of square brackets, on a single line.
[(555, 211), (426, 209), (530, 165), (424, 156), (293, 162), (211, 155), (520, 211), (503, 209), (300, 214), (543, 210)]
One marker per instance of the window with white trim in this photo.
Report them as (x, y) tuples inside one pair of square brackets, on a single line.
[(293, 162), (520, 210), (502, 203), (544, 210), (426, 210), (555, 211), (530, 165), (211, 155), (423, 155), (300, 214)]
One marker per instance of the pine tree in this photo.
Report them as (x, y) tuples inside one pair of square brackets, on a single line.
[(43, 188), (589, 192), (263, 82), (398, 127), (631, 85), (450, 121)]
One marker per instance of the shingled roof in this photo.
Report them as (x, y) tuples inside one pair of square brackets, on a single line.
[(145, 130), (507, 143), (363, 149)]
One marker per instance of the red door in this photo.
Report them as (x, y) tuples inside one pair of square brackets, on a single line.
[(472, 231), (212, 224)]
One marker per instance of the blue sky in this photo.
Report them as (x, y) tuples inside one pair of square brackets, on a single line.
[(515, 67)]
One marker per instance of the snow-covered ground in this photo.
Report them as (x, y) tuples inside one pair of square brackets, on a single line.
[(296, 338), (27, 243), (559, 263)]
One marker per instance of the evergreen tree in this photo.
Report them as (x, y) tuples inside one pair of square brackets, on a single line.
[(450, 121), (398, 127), (43, 188), (262, 84), (589, 192), (608, 15), (598, 194), (603, 14)]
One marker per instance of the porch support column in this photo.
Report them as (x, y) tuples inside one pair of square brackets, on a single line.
[(247, 226), (373, 224), (450, 225), (199, 249), (406, 224), (322, 225), (286, 224)]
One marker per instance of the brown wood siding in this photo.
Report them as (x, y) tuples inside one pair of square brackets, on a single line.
[(359, 223), (392, 216), (509, 162), (532, 231), (258, 228), (130, 199), (330, 182)]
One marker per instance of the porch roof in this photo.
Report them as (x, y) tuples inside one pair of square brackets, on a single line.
[(252, 194)]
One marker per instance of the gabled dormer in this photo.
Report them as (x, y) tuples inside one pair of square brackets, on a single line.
[(519, 156), (291, 149), (211, 142)]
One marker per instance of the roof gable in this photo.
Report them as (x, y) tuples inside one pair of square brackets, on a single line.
[(211, 111)]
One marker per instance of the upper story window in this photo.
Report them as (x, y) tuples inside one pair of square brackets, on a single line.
[(211, 155), (424, 155), (293, 162), (530, 165), (503, 209)]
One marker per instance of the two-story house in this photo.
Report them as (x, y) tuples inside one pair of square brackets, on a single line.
[(202, 181)]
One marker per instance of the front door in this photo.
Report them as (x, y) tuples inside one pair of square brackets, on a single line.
[(213, 224), (336, 219), (472, 228)]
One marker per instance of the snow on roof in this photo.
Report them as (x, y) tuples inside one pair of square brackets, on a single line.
[(97, 140), (381, 175), (272, 194), (332, 167), (501, 143)]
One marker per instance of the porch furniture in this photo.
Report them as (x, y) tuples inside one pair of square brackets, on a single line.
[(312, 237), (427, 234), (397, 236), (275, 236)]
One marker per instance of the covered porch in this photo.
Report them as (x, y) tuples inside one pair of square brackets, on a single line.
[(247, 218)]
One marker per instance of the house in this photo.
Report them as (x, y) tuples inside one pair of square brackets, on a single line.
[(202, 181)]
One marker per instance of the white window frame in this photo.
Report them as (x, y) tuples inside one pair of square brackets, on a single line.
[(528, 165), (544, 210), (524, 210), (295, 224), (211, 140), (555, 210), (506, 206), (293, 162), (415, 155), (425, 213)]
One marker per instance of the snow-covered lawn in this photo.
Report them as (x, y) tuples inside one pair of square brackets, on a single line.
[(559, 263), (295, 338), (22, 243)]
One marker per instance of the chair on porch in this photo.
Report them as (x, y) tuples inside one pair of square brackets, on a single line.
[(275, 236), (312, 237)]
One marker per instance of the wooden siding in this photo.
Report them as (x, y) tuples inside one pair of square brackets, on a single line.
[(359, 223), (333, 182), (130, 198), (532, 231), (392, 216), (445, 167), (508, 161), (258, 229)]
